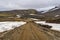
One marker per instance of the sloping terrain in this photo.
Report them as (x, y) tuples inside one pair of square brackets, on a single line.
[(20, 12), (31, 31), (53, 13)]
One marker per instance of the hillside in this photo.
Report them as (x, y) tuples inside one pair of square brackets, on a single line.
[(52, 15), (53, 12)]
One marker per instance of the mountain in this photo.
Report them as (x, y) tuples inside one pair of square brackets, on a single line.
[(14, 13), (54, 12), (20, 11), (29, 13)]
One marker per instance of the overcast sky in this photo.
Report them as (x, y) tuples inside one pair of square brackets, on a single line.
[(25, 4)]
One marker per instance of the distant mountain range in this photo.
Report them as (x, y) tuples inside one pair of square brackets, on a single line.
[(19, 12), (54, 12)]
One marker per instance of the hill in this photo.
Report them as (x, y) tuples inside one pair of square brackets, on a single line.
[(55, 12)]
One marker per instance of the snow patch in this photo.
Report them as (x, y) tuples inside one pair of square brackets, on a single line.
[(10, 25), (54, 25)]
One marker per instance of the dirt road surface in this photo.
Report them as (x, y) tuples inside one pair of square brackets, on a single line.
[(30, 31)]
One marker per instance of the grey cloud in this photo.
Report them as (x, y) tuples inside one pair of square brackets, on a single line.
[(21, 4)]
